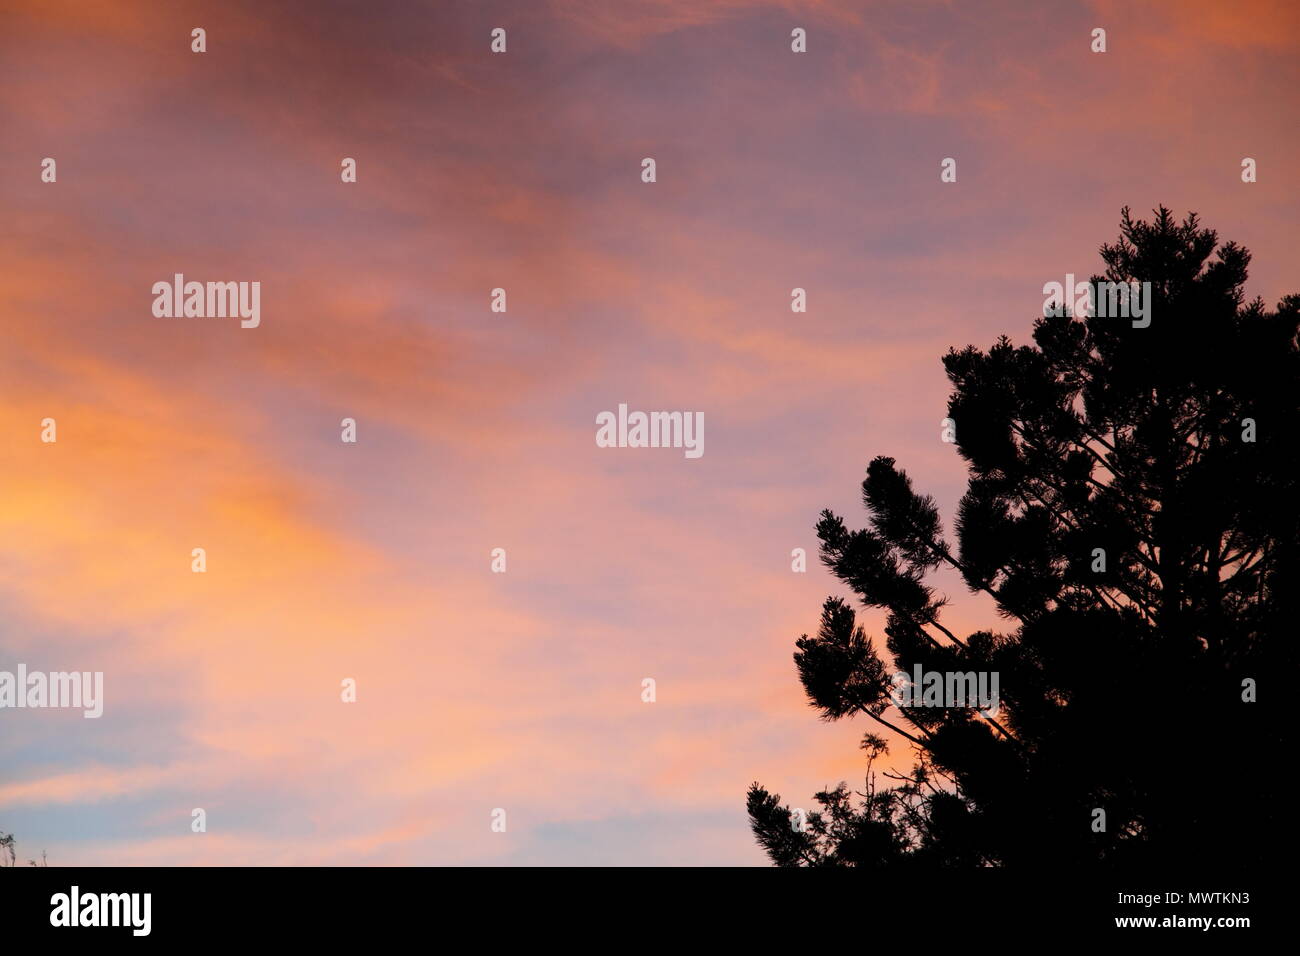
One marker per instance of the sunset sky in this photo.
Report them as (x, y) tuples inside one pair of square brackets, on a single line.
[(522, 170)]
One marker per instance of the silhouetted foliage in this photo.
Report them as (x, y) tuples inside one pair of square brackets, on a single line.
[(1121, 689), (9, 854)]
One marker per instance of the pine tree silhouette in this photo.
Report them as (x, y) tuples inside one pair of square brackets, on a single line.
[(1132, 509)]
